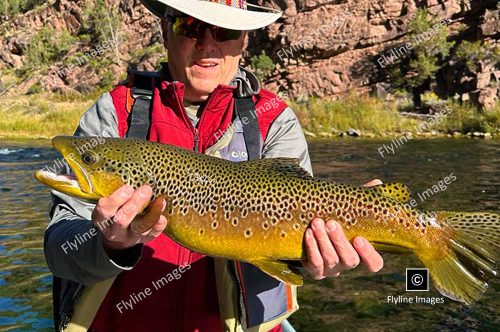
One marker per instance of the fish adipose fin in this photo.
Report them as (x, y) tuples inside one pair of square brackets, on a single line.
[(281, 271), (288, 166), (463, 274), (398, 191)]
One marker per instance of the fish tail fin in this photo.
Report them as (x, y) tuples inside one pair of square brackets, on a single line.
[(464, 273)]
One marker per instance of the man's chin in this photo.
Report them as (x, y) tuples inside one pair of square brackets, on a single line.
[(201, 86), (205, 78), (199, 94)]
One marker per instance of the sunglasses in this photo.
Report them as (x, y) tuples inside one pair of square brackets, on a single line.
[(193, 28)]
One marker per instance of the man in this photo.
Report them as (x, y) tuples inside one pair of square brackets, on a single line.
[(202, 101)]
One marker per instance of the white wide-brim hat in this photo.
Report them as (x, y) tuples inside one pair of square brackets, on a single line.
[(229, 14)]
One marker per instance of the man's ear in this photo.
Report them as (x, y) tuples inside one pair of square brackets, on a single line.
[(164, 31)]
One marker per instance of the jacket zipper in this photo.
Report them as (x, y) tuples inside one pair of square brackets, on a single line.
[(194, 130), (196, 140)]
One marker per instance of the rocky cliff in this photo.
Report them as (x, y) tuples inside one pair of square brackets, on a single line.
[(319, 48)]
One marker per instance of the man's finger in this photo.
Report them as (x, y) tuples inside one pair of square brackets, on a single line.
[(330, 257), (134, 205), (348, 256), (370, 257), (145, 222), (156, 230), (314, 262), (107, 207), (372, 183)]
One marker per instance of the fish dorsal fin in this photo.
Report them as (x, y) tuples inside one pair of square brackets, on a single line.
[(398, 191), (281, 271), (288, 166)]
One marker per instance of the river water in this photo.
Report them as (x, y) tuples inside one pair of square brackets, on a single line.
[(355, 301)]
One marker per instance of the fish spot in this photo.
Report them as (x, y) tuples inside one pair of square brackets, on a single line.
[(234, 222), (248, 233), (214, 224)]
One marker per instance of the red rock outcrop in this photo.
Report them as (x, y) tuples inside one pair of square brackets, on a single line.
[(320, 47)]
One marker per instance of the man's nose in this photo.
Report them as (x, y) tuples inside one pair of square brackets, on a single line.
[(206, 42)]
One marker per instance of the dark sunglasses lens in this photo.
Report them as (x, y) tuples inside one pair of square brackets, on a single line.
[(191, 27), (187, 27), (221, 34)]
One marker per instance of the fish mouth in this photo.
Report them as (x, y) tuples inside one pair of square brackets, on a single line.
[(66, 184), (78, 185)]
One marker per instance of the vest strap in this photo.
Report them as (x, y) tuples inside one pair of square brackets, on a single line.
[(245, 109), (142, 85)]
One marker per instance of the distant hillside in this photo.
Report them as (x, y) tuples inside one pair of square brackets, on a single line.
[(319, 48)]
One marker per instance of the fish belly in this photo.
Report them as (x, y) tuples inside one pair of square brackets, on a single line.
[(245, 240)]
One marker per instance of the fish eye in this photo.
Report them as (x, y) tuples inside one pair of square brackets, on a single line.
[(89, 158)]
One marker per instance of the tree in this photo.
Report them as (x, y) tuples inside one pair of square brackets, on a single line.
[(262, 65), (100, 21), (428, 48), (13, 7)]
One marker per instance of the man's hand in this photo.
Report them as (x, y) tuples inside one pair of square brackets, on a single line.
[(114, 214), (329, 252)]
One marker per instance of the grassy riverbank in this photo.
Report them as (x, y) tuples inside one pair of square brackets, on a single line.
[(41, 115), (47, 115), (372, 117)]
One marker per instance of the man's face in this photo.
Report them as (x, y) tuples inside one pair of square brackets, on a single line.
[(201, 64)]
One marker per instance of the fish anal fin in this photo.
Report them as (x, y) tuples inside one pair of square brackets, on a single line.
[(281, 271), (398, 191), (288, 166)]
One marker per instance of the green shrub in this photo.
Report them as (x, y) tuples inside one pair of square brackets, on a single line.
[(142, 53), (472, 53), (262, 65), (46, 47), (430, 47), (13, 7), (100, 23)]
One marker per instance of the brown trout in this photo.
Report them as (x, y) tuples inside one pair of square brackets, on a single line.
[(258, 211)]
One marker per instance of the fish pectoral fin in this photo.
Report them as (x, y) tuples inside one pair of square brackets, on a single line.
[(398, 191), (386, 247), (281, 271)]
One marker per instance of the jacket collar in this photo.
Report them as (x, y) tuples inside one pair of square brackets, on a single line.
[(246, 83)]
